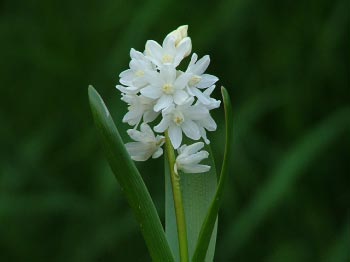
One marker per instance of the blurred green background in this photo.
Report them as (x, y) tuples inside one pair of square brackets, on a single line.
[(286, 66)]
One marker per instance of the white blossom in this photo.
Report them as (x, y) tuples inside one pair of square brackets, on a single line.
[(166, 87), (188, 159), (180, 35), (134, 78), (169, 53), (140, 107), (182, 118), (146, 145), (198, 79)]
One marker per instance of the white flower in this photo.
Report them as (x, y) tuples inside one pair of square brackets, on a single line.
[(139, 107), (212, 102), (147, 144), (182, 118), (169, 53), (189, 158), (134, 78), (207, 123), (166, 87), (180, 34), (199, 80)]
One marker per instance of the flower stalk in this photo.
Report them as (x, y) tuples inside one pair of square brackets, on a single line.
[(178, 204)]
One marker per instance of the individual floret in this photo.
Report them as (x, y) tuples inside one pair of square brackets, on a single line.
[(147, 144), (188, 159)]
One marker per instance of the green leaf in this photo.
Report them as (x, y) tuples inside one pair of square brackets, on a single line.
[(198, 190), (130, 181), (211, 215)]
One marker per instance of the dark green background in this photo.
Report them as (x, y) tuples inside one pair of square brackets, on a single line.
[(286, 67)]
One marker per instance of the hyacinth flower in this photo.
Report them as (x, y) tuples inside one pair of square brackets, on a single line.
[(169, 114)]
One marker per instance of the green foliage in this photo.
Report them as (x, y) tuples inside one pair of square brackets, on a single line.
[(198, 191), (210, 219), (286, 64), (130, 180)]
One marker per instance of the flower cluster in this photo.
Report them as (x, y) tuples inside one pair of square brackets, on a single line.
[(153, 87)]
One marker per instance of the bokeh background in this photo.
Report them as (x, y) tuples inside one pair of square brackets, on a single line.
[(286, 66)]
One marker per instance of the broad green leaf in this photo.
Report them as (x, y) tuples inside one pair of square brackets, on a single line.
[(211, 215), (201, 197), (292, 165), (130, 181), (197, 193)]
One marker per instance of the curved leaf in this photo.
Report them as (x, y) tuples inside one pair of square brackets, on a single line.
[(130, 181), (211, 217)]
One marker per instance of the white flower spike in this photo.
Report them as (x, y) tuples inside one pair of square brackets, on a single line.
[(154, 88), (189, 158)]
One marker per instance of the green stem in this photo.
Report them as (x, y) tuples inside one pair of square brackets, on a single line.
[(179, 209)]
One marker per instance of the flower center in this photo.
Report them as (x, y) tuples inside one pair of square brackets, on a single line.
[(178, 118), (168, 89), (167, 59), (194, 80), (139, 73)]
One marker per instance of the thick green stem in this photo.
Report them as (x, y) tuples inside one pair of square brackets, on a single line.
[(179, 209)]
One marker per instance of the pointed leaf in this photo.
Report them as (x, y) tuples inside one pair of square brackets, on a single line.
[(211, 216), (130, 180)]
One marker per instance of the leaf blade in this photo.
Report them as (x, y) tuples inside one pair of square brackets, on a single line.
[(197, 191), (211, 216), (130, 180)]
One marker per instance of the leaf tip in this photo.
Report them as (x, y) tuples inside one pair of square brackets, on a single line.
[(96, 100)]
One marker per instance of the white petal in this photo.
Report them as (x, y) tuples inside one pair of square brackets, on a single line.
[(209, 90), (183, 50), (149, 116), (147, 130), (134, 54), (201, 65), (132, 118), (175, 134), (204, 135), (182, 80), (194, 58), (139, 151), (196, 169), (197, 112), (169, 44), (191, 149), (163, 125), (168, 73), (208, 123), (181, 149), (180, 97), (163, 102), (126, 75), (154, 78), (154, 50), (151, 92), (207, 81), (191, 130), (201, 97), (158, 153), (139, 136), (184, 47), (194, 158)]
